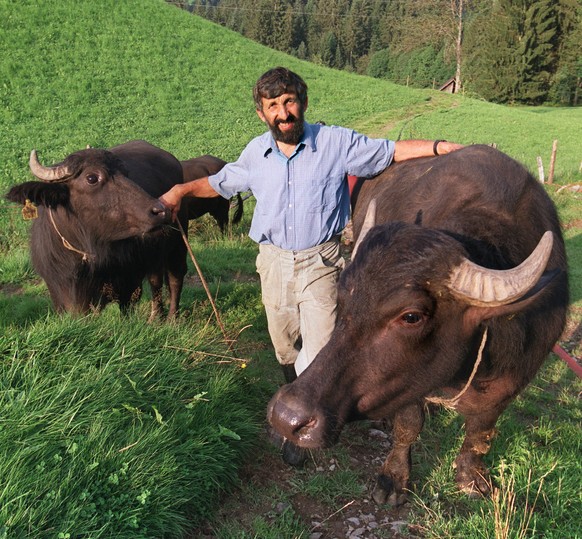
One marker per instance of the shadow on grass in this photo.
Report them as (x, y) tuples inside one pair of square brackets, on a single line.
[(22, 308)]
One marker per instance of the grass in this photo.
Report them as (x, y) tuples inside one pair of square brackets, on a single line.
[(100, 438), (113, 428), (537, 448)]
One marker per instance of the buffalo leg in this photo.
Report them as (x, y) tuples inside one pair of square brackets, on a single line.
[(175, 279), (156, 281), (393, 479), (481, 409), (472, 475), (126, 292), (175, 284)]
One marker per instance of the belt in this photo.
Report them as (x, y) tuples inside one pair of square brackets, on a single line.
[(334, 240)]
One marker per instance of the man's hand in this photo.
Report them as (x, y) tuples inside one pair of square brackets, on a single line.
[(444, 147), (196, 188), (173, 199)]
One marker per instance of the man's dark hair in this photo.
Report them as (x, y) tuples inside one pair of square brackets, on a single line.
[(278, 81)]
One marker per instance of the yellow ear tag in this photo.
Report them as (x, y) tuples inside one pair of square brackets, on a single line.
[(29, 211)]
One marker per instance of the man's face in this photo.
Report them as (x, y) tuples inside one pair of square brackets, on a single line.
[(284, 116)]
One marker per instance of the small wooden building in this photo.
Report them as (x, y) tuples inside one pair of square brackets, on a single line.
[(450, 87)]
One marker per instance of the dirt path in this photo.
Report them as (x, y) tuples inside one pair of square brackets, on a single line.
[(269, 488)]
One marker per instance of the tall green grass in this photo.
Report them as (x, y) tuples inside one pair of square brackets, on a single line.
[(535, 473), (115, 428)]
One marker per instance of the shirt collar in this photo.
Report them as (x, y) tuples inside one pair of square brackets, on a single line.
[(307, 139)]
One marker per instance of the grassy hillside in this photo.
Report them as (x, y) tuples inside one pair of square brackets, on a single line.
[(100, 73), (77, 392)]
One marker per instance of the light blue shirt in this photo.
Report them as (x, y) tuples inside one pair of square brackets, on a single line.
[(303, 200)]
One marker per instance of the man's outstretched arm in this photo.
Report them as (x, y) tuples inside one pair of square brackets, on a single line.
[(410, 149), (197, 188)]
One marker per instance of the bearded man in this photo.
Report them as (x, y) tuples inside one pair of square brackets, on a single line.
[(298, 172)]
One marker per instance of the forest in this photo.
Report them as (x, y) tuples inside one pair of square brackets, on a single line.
[(503, 51)]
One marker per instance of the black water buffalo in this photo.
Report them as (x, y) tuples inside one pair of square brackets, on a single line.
[(218, 207), (101, 228), (441, 302)]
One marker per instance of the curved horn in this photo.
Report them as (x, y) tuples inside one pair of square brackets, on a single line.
[(47, 174), (369, 222), (487, 287)]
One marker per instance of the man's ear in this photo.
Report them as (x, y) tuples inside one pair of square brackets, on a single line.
[(261, 115), (306, 103)]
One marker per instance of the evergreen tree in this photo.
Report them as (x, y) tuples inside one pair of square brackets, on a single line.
[(537, 40), (281, 37), (299, 24), (357, 32), (314, 30), (511, 51), (301, 52), (566, 85), (259, 22), (379, 9), (328, 49), (329, 17), (379, 65)]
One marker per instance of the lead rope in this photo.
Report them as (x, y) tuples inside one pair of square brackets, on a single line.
[(451, 403), (216, 313), (67, 245)]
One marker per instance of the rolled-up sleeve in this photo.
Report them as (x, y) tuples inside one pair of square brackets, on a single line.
[(233, 178), (367, 157)]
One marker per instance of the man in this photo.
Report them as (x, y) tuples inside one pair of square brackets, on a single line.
[(298, 174)]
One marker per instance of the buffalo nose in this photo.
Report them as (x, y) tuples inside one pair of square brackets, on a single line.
[(294, 420), (160, 211)]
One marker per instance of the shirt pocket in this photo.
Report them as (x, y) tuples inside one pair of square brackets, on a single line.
[(324, 193)]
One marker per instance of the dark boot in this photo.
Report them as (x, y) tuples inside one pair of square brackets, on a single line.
[(291, 453), (289, 373)]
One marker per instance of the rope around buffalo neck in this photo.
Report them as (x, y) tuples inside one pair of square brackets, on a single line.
[(451, 403), (67, 245)]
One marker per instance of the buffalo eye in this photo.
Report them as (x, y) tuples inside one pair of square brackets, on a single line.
[(92, 179), (412, 317)]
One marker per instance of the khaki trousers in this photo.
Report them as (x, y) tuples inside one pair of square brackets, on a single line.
[(299, 292)]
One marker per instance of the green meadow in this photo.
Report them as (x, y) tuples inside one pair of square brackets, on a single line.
[(113, 427)]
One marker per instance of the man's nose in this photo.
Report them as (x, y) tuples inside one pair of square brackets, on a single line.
[(282, 110)]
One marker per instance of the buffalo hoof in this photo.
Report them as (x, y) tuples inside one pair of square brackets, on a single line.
[(294, 455), (386, 492), (474, 483)]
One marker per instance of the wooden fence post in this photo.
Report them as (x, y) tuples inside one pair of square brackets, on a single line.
[(553, 161), (541, 169)]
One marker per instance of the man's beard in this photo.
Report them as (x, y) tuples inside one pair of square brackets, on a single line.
[(288, 137)]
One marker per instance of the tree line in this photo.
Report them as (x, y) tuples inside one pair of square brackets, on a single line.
[(505, 51)]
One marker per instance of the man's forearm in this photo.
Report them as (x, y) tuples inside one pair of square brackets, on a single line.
[(410, 149), (197, 188)]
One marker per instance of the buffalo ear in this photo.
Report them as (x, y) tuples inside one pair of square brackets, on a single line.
[(41, 194), (477, 314)]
